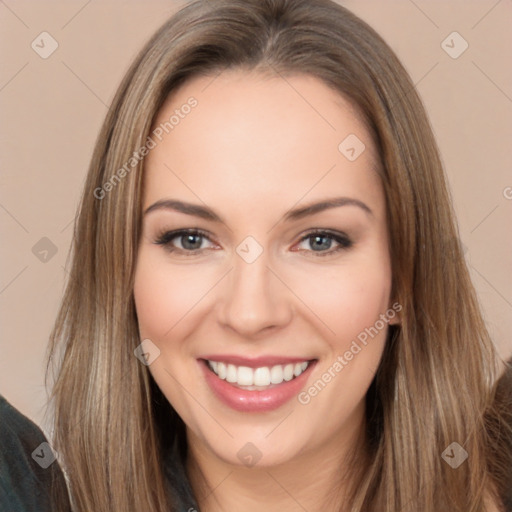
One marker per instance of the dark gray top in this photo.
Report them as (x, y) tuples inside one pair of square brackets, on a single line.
[(31, 479), (28, 469)]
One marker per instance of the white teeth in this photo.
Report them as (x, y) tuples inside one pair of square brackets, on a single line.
[(288, 372), (263, 376), (276, 374), (221, 370), (245, 376), (231, 375)]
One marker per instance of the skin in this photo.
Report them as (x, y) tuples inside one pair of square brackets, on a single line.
[(253, 148)]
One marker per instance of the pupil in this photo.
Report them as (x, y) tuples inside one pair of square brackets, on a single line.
[(320, 242), (325, 245), (190, 238)]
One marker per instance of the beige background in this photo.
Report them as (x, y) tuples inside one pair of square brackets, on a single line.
[(52, 109)]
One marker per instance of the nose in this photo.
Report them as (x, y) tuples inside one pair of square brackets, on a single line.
[(254, 298)]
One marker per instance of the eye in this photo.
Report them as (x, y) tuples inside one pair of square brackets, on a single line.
[(190, 240), (321, 242)]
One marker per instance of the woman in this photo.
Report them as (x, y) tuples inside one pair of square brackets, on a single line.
[(321, 347)]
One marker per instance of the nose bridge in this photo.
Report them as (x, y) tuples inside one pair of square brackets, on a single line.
[(254, 299)]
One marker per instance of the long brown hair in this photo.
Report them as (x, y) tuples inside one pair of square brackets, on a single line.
[(436, 382)]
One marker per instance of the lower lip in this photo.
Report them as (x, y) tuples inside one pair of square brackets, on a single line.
[(244, 400)]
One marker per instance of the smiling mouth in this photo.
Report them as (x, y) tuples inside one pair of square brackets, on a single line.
[(257, 379)]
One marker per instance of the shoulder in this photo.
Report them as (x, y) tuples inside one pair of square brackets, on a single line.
[(28, 469)]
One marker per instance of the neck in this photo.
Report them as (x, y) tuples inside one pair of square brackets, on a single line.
[(318, 479)]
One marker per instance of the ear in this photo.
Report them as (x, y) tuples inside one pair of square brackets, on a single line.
[(394, 313)]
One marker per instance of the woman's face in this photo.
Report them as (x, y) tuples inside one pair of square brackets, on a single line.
[(257, 292)]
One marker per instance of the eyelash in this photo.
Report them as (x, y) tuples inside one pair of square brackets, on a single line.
[(166, 237)]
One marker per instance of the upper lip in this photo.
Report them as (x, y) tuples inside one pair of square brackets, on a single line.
[(255, 362)]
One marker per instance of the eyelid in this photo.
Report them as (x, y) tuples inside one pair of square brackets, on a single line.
[(339, 237), (165, 237), (342, 239)]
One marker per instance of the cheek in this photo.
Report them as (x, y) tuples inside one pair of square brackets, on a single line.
[(162, 299), (163, 296), (348, 299), (352, 309), (153, 302)]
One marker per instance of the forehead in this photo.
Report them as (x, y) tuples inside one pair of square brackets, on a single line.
[(250, 137)]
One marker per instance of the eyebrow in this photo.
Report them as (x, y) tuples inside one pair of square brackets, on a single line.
[(206, 213)]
